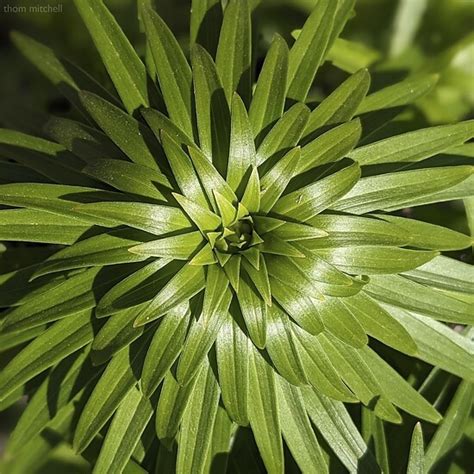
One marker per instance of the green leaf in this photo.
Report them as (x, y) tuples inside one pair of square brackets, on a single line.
[(276, 180), (341, 105), (345, 231), (30, 225), (416, 462), (374, 434), (173, 70), (119, 57), (438, 344), (268, 100), (133, 138), (130, 178), (291, 231), (336, 426), (242, 155), (179, 247), (123, 435), (232, 351), (281, 347), (394, 191), (202, 335), (205, 24), (452, 427), (204, 219), (284, 135), (165, 347), (264, 414), (276, 246), (198, 421), (306, 202), (259, 278), (414, 146), (234, 50), (402, 93), (251, 197), (307, 53), (53, 345), (212, 109), (151, 218), (189, 281), (430, 236), (297, 429), (403, 293), (380, 324), (372, 260), (205, 256)]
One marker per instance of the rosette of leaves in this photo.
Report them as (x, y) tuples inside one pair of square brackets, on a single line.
[(228, 271)]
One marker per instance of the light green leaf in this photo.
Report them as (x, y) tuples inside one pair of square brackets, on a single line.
[(173, 70), (259, 278), (251, 197), (204, 219), (394, 191), (205, 24), (269, 97), (233, 57), (341, 105), (307, 53), (53, 345), (205, 256), (416, 464), (414, 146), (297, 429), (402, 93), (306, 202), (292, 231), (133, 138), (119, 57), (232, 350), (264, 414), (373, 433), (242, 155), (198, 421), (189, 281)]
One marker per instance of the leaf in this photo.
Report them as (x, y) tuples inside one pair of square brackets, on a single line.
[(133, 138), (53, 345), (275, 181), (165, 347), (251, 197), (264, 414), (416, 462), (130, 178), (330, 147), (452, 427), (206, 20), (336, 426), (392, 191), (198, 422), (173, 70), (438, 344), (189, 281), (374, 434), (242, 155), (351, 56), (269, 96), (345, 231), (113, 386), (283, 136), (281, 347), (151, 218), (402, 93), (306, 202), (414, 146), (179, 247), (233, 351), (297, 429), (341, 105), (430, 236), (233, 58), (119, 57), (259, 278), (30, 225), (307, 53), (371, 260), (202, 335), (128, 424), (399, 291), (205, 220), (212, 109)]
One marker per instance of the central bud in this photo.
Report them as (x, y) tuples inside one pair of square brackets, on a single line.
[(237, 236)]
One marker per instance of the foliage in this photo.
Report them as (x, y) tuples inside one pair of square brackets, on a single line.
[(228, 277)]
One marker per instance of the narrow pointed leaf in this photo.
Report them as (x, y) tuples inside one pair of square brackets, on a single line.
[(204, 219), (206, 20), (416, 461)]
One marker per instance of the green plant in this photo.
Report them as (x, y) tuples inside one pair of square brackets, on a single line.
[(220, 255)]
